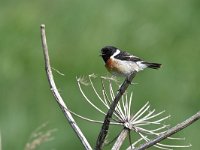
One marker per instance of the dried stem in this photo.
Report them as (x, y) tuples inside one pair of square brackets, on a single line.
[(170, 132), (105, 126), (39, 137), (122, 136), (56, 94)]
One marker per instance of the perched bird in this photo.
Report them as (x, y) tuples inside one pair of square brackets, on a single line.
[(122, 63)]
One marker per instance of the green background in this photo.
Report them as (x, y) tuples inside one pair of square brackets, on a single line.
[(165, 31)]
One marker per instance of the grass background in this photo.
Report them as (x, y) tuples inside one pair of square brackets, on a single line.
[(156, 30)]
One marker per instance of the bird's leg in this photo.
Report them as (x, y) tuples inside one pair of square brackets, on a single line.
[(128, 80)]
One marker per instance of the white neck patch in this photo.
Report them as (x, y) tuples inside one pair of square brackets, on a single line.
[(116, 53)]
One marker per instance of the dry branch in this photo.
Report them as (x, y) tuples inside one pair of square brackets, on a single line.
[(105, 126), (170, 132), (120, 140), (56, 94)]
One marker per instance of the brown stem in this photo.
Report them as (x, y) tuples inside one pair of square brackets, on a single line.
[(105, 126)]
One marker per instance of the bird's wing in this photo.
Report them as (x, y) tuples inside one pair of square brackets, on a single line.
[(127, 56)]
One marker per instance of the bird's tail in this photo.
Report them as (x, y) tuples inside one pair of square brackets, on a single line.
[(152, 65)]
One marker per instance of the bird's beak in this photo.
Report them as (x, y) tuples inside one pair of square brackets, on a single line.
[(101, 54)]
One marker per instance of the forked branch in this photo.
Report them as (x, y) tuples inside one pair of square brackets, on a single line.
[(136, 119)]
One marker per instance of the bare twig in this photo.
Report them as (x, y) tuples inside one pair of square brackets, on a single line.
[(105, 126), (170, 132), (56, 94), (120, 139)]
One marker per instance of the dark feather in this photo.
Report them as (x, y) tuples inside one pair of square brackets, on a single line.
[(152, 65), (126, 56)]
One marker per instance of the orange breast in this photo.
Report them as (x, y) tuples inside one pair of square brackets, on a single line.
[(111, 66)]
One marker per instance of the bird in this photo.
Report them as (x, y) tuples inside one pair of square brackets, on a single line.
[(121, 63)]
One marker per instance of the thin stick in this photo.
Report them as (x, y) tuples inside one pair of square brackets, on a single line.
[(56, 94), (105, 126), (170, 132), (120, 139)]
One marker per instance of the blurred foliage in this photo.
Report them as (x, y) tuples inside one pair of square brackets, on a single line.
[(162, 31)]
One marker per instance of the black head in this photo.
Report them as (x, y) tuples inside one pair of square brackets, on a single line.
[(107, 51)]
